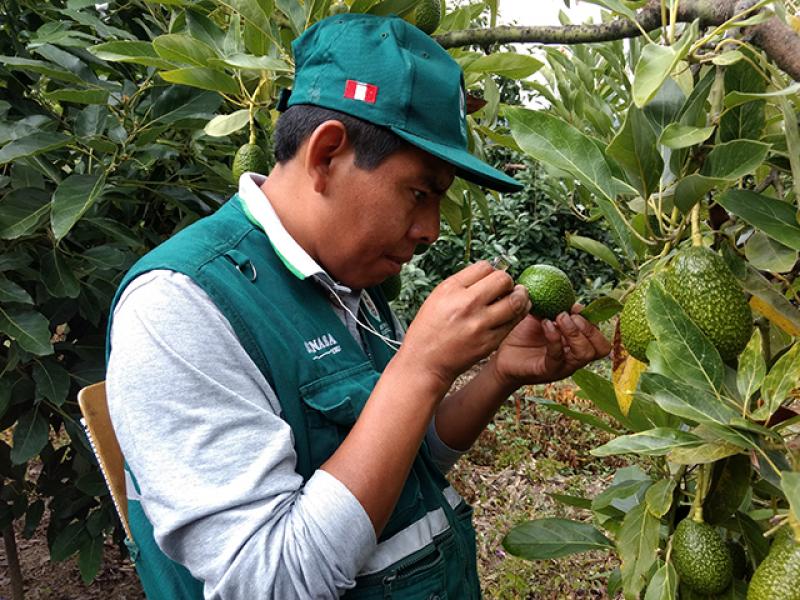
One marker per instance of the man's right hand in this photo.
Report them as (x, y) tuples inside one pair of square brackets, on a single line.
[(464, 320)]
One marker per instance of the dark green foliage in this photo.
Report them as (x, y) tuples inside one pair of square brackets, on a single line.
[(729, 485), (701, 558)]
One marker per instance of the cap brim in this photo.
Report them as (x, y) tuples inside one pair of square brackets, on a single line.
[(467, 166)]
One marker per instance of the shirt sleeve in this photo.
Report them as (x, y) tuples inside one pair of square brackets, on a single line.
[(200, 428)]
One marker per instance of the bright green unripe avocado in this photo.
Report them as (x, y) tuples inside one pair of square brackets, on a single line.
[(250, 158), (701, 558), (778, 575), (391, 286), (427, 15), (710, 294), (550, 290), (338, 8), (633, 328)]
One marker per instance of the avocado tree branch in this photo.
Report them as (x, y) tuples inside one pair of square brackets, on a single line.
[(774, 37)]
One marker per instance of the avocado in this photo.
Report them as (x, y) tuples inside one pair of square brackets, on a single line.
[(550, 290), (427, 15), (778, 575), (250, 158), (634, 331), (706, 289), (391, 286), (701, 558)]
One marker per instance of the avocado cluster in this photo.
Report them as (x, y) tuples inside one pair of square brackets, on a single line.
[(702, 284), (550, 290)]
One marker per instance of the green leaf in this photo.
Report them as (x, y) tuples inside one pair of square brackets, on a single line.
[(753, 536), (659, 497), (654, 442), (752, 367), (48, 69), (574, 414), (575, 501), (52, 381), (771, 303), (72, 198), (692, 188), (772, 216), (22, 212), (553, 538), (745, 121), (637, 545), (223, 125), (664, 583), (601, 309), (30, 436), (182, 103), (183, 49), (28, 328), (656, 63), (705, 453), (249, 62), (254, 13), (388, 7), (32, 145), (622, 495), (685, 401), (677, 136), (11, 292), (783, 377), (90, 557), (507, 64), (129, 51), (297, 16), (735, 159), (595, 248), (600, 391), (693, 112), (727, 58), (67, 541), (766, 254), (78, 96), (790, 484), (203, 78), (736, 98), (687, 353), (634, 148)]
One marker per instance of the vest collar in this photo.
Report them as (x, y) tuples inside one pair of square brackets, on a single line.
[(258, 209)]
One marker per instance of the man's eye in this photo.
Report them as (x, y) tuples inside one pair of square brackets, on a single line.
[(419, 195)]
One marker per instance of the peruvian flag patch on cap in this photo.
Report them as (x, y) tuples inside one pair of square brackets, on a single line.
[(356, 90)]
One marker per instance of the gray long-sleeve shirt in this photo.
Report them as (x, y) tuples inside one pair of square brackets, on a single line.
[(200, 427)]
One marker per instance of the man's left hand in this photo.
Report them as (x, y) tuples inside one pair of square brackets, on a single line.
[(541, 351)]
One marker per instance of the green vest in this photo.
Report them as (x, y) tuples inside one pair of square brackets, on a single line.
[(322, 378)]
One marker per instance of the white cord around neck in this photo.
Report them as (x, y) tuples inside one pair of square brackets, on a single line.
[(393, 344)]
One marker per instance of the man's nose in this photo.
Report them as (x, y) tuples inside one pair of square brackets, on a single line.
[(425, 229)]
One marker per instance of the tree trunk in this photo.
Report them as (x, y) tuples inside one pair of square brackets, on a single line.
[(14, 571)]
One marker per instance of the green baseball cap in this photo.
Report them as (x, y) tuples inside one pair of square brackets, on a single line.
[(388, 72)]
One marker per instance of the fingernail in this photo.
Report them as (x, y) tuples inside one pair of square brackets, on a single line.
[(583, 324)]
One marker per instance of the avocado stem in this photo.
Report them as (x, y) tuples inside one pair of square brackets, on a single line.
[(700, 493), (697, 239)]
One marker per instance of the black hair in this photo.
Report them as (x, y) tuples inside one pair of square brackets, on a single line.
[(372, 143)]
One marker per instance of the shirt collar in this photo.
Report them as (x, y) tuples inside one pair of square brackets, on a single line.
[(259, 210)]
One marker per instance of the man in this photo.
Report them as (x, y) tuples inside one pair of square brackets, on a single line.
[(278, 443)]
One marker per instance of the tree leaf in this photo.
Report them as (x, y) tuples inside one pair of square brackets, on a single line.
[(783, 377), (771, 303), (58, 277), (183, 49), (30, 436), (78, 96), (90, 557), (735, 98), (790, 484), (637, 545), (692, 188), (600, 391), (634, 148), (130, 51), (52, 381), (575, 501), (22, 212), (659, 497), (735, 159), (67, 541), (685, 401), (766, 254), (249, 62), (687, 353), (507, 64), (28, 328), (664, 583), (656, 63), (601, 309), (654, 442), (223, 125), (677, 136), (747, 120), (48, 69), (553, 538), (705, 453), (727, 58), (255, 13), (772, 216), (626, 379), (623, 494), (72, 198), (32, 145), (595, 248), (203, 78), (11, 292), (752, 367), (574, 414)]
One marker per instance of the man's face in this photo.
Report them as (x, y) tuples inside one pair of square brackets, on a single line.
[(379, 216)]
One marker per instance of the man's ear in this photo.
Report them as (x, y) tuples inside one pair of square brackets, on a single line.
[(328, 142)]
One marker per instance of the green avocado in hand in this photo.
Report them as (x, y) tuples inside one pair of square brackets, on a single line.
[(550, 290)]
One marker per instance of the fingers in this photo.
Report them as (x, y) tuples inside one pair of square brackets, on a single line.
[(473, 273), (495, 285), (585, 341), (510, 309)]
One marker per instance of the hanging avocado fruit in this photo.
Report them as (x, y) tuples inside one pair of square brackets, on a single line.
[(250, 158), (550, 290), (701, 559), (778, 575), (633, 328), (427, 15)]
